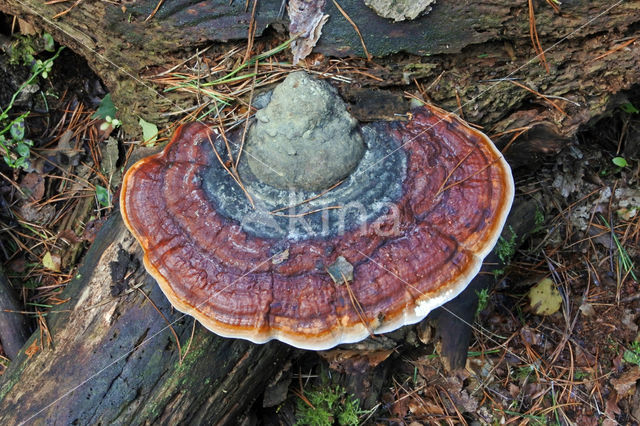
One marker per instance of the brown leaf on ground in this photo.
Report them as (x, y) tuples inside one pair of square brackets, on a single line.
[(586, 420), (70, 236), (339, 358), (530, 336), (32, 185), (400, 407), (33, 213), (514, 390), (370, 352), (66, 153), (611, 411), (18, 264), (92, 228), (460, 396), (626, 384), (424, 408), (26, 28), (583, 358)]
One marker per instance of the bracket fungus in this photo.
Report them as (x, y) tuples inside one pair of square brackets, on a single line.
[(291, 246)]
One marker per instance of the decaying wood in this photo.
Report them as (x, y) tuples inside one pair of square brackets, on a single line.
[(114, 357), (474, 48), (14, 329)]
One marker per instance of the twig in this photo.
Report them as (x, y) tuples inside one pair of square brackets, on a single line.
[(175, 336), (541, 95), (246, 122), (356, 305), (252, 30), (615, 49), (230, 173), (355, 27), (308, 199), (154, 11), (533, 33), (306, 213)]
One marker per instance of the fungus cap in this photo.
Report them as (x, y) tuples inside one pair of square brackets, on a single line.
[(441, 195)]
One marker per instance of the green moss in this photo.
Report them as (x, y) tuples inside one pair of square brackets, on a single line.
[(483, 300), (506, 247), (330, 405), (12, 377), (539, 220)]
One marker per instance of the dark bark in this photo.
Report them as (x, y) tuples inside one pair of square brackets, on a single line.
[(467, 45), (453, 321), (14, 329), (114, 358)]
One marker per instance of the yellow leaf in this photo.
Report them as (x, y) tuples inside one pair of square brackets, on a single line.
[(544, 298), (51, 262)]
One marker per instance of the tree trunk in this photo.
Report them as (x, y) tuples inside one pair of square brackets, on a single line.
[(113, 356)]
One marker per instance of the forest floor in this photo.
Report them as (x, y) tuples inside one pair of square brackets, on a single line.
[(571, 357)]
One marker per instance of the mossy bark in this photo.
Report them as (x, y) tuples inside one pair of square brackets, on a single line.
[(114, 357), (457, 51)]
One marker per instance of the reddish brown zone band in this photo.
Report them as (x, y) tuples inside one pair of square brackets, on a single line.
[(454, 187)]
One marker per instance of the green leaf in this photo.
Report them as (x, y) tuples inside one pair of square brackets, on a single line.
[(22, 162), (631, 357), (22, 149), (17, 130), (544, 298), (106, 108), (49, 44), (149, 131), (31, 284), (103, 196), (619, 161), (629, 108)]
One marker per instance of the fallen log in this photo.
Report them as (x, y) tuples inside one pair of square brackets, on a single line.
[(467, 54), (119, 353)]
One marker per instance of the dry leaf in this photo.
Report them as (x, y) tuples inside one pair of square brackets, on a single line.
[(32, 185), (610, 411), (460, 396), (19, 264), (26, 28), (530, 336), (339, 358), (32, 349), (425, 408), (69, 236), (544, 298), (514, 390), (626, 384), (400, 407), (51, 261)]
